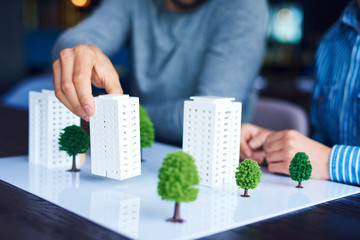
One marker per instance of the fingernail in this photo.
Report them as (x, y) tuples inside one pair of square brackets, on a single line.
[(252, 144), (85, 117), (87, 109)]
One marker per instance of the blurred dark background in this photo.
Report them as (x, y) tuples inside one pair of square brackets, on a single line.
[(29, 29)]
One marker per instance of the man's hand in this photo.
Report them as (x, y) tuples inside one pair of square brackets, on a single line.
[(251, 142), (281, 147), (74, 72)]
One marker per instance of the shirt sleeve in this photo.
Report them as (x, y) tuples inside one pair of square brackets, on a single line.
[(231, 64), (107, 28), (344, 164)]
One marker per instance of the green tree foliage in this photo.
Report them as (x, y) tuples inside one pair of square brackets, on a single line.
[(300, 168), (177, 178), (74, 140), (248, 175), (147, 132)]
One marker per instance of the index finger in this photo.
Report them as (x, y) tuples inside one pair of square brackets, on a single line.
[(83, 65)]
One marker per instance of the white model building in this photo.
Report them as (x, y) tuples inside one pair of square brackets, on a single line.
[(211, 135), (115, 137), (47, 117)]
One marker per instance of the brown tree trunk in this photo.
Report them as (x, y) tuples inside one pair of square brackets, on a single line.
[(245, 193), (74, 169), (176, 218), (299, 185)]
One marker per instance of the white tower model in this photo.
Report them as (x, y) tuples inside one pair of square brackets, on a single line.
[(211, 135), (115, 137), (47, 117)]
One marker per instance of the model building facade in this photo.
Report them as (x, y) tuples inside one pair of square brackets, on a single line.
[(211, 135), (115, 137), (47, 117)]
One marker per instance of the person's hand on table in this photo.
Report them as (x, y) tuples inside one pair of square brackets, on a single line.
[(75, 71), (251, 142), (280, 147)]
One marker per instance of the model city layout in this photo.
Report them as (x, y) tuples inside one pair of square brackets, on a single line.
[(120, 127)]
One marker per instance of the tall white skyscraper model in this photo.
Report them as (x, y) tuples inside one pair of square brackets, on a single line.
[(211, 135), (47, 117), (115, 137)]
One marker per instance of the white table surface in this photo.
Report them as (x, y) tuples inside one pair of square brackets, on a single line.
[(133, 208)]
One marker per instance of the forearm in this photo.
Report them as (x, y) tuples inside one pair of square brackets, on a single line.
[(168, 120), (344, 164)]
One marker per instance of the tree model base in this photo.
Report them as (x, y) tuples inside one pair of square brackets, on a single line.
[(245, 195), (175, 220), (74, 170), (299, 187)]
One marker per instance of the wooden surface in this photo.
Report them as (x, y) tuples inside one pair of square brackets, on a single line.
[(25, 216)]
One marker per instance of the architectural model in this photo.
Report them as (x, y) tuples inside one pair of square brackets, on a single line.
[(211, 135), (115, 137), (47, 117)]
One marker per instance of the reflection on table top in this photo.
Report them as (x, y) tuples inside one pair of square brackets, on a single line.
[(133, 208)]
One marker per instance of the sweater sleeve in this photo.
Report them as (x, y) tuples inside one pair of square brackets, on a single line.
[(235, 52), (344, 164), (107, 28), (230, 66)]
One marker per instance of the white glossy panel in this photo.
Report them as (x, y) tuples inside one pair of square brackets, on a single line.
[(133, 208)]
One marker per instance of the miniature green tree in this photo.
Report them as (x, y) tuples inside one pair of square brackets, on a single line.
[(248, 175), (300, 168), (177, 178), (74, 140), (147, 132)]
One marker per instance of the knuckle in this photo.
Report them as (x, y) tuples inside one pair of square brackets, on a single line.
[(288, 143), (78, 110), (78, 78), (66, 87), (55, 65), (58, 94), (84, 50), (65, 54), (83, 99), (288, 156), (291, 133)]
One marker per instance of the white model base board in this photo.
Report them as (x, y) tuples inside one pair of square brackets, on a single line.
[(133, 208)]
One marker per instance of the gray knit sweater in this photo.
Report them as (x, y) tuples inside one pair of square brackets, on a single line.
[(214, 50)]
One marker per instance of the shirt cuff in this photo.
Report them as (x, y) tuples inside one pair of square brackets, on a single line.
[(344, 164)]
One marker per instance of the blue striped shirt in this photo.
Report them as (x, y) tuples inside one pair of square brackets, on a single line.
[(335, 108)]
